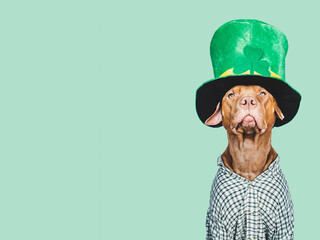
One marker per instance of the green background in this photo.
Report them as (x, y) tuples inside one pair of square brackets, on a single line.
[(99, 133)]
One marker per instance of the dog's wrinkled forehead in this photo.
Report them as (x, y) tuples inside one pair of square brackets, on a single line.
[(248, 89), (255, 91)]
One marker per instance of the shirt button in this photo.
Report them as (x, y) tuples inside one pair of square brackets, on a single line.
[(251, 213), (251, 238), (252, 183)]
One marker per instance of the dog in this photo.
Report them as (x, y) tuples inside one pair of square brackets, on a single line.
[(248, 96), (250, 198)]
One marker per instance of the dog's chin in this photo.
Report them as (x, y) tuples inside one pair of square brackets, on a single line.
[(247, 130), (247, 126)]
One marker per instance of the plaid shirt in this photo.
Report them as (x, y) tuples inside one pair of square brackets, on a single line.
[(242, 209)]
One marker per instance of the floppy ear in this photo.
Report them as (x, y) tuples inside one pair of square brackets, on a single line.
[(215, 118), (278, 111)]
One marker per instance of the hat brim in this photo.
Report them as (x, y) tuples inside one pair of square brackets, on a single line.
[(211, 92)]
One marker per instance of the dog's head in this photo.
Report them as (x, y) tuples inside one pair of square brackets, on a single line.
[(246, 109)]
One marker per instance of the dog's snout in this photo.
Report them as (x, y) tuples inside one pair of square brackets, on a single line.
[(248, 102)]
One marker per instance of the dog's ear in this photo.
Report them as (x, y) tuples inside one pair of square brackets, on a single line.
[(278, 112), (215, 118)]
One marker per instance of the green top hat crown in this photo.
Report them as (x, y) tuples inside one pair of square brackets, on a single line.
[(248, 52), (248, 47)]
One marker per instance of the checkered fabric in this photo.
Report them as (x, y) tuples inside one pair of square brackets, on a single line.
[(242, 209)]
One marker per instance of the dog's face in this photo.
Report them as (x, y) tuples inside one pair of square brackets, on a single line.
[(246, 109)]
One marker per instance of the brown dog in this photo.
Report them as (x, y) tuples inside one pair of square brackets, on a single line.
[(248, 113)]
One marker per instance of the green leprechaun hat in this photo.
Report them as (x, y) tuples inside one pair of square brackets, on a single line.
[(248, 52)]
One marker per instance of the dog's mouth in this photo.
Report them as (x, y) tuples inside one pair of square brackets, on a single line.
[(248, 121)]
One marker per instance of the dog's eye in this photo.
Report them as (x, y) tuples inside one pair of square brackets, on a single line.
[(231, 95), (262, 93)]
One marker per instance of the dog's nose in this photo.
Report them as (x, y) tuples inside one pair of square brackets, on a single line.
[(248, 102)]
